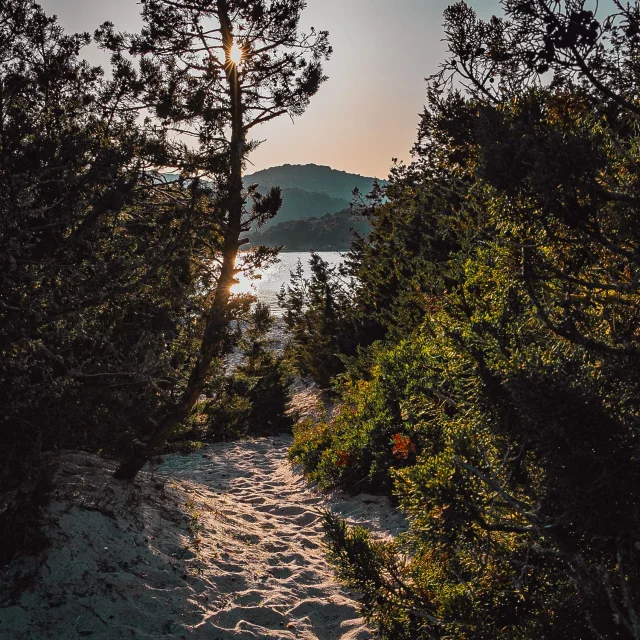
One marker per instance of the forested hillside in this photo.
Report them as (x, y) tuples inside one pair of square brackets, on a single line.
[(299, 205), (310, 191), (312, 178), (331, 232)]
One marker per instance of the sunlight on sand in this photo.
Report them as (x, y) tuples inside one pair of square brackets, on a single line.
[(225, 543)]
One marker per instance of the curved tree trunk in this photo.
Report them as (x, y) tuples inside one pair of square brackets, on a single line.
[(217, 322)]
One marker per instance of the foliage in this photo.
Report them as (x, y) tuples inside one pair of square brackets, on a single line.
[(370, 568), (355, 450), (502, 409), (100, 260), (104, 264), (253, 398), (318, 320), (181, 68)]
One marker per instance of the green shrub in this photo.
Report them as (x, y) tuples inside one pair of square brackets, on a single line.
[(502, 410), (253, 398), (522, 470), (356, 448)]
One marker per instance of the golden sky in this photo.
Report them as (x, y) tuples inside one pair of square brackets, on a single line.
[(367, 112)]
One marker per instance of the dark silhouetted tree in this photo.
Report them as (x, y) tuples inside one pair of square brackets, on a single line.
[(100, 262), (210, 73)]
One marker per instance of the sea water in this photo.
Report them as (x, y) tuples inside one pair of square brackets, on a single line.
[(271, 279)]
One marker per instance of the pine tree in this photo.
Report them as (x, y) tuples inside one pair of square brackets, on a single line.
[(211, 72)]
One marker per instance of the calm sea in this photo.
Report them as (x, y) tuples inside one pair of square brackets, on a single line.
[(267, 287)]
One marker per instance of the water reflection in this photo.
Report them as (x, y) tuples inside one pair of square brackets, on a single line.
[(272, 278)]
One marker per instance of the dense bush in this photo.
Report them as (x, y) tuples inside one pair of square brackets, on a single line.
[(502, 409), (252, 399)]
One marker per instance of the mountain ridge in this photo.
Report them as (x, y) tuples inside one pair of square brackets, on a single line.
[(310, 190), (330, 232), (313, 178)]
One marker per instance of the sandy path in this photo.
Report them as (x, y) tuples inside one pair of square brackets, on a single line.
[(276, 549), (224, 544)]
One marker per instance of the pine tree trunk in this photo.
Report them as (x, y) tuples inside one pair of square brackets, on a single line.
[(217, 322)]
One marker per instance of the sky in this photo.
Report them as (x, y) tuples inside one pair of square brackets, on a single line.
[(368, 111)]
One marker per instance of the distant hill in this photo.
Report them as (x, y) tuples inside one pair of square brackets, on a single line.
[(310, 190), (313, 178), (297, 204), (331, 232)]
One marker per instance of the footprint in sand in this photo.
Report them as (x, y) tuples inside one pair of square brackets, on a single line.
[(227, 546), (274, 581)]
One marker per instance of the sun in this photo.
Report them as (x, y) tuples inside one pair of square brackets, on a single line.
[(236, 53), (242, 285)]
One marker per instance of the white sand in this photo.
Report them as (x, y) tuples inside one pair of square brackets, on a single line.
[(224, 544)]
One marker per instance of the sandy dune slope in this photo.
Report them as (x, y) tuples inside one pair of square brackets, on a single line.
[(224, 544)]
